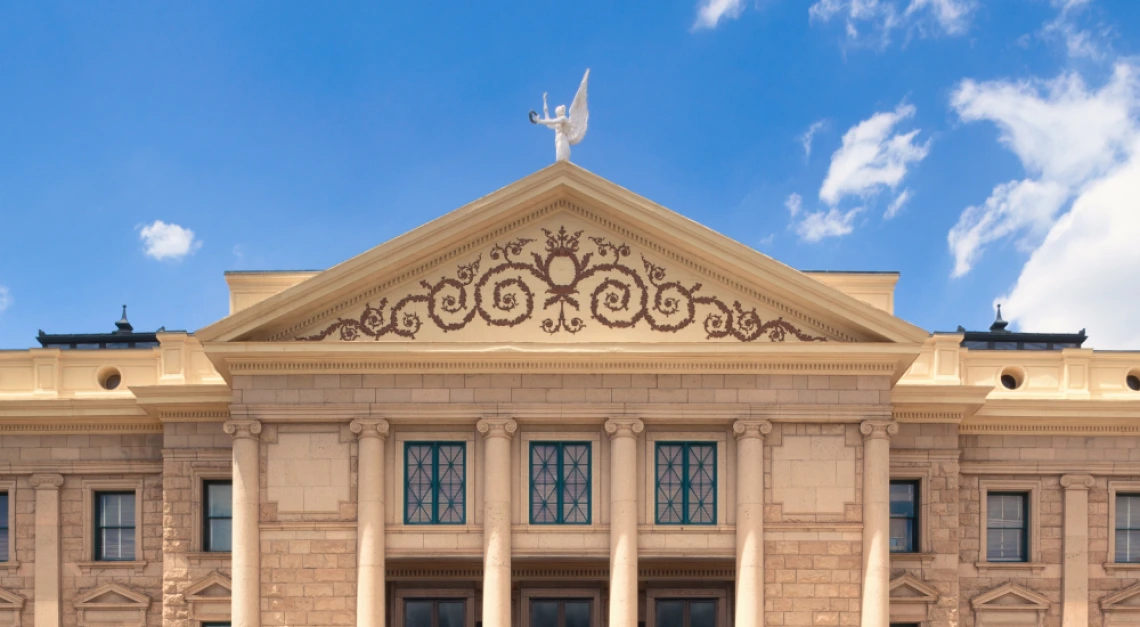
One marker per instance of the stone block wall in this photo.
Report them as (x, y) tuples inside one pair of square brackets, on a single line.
[(194, 453)]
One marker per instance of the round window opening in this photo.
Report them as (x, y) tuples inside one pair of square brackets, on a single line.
[(110, 379), (1133, 382), (1010, 381)]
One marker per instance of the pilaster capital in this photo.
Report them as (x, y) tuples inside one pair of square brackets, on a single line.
[(624, 427), (497, 428), (878, 429), (46, 481), (746, 429), (369, 428), (1077, 482), (242, 429)]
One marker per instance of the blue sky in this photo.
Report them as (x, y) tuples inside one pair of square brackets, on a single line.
[(989, 150)]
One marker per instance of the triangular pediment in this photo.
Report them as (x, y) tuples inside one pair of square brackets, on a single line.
[(562, 256), (1010, 596), (1127, 600), (909, 589), (112, 596), (209, 588)]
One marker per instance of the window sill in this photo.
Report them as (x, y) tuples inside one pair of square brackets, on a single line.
[(913, 558), (9, 565), (198, 557), (1112, 567), (87, 567), (1031, 566)]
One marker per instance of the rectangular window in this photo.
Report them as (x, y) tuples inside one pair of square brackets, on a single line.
[(1007, 527), (434, 612), (5, 542), (1127, 528), (217, 531), (560, 612), (115, 526), (904, 516), (560, 483), (435, 483), (685, 613), (686, 483)]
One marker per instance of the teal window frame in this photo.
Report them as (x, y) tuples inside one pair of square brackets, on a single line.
[(685, 477), (435, 482), (560, 492)]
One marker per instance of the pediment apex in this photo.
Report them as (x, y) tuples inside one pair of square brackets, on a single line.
[(1010, 596), (910, 589), (206, 588), (11, 600), (433, 249), (112, 595), (1126, 599)]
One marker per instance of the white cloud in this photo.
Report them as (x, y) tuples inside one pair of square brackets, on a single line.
[(168, 241), (809, 135), (5, 298), (882, 17), (1066, 137), (1078, 42), (832, 223), (711, 12), (872, 157), (794, 203), (897, 204), (1081, 275)]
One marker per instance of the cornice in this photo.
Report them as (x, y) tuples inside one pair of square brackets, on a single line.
[(136, 467), (937, 403), (125, 408), (185, 403), (559, 413), (1028, 426), (63, 428), (1094, 468)]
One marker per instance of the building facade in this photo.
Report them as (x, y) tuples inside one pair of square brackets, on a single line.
[(565, 406)]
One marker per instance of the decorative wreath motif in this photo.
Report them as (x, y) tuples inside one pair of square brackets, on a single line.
[(503, 296)]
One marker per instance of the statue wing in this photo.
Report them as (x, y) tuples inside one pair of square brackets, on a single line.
[(579, 114)]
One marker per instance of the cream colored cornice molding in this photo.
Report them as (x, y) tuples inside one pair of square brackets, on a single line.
[(256, 358), (506, 210), (72, 408), (185, 403), (1094, 468), (78, 427), (144, 467), (937, 403), (1045, 409), (1028, 426), (558, 413)]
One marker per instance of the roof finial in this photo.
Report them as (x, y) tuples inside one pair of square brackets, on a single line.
[(123, 325), (999, 325)]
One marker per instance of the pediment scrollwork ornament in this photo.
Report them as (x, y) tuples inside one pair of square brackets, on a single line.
[(563, 290)]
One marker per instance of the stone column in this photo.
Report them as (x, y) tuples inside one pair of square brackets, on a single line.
[(750, 521), (1075, 576), (370, 570), (876, 521), (47, 582), (623, 521), (497, 434), (246, 556)]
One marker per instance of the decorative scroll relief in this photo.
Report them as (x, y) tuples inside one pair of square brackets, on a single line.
[(564, 284)]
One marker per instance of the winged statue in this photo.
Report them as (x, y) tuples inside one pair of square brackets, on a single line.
[(568, 130)]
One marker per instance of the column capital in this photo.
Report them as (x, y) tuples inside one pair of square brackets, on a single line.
[(745, 429), (624, 427), (497, 427), (242, 429), (46, 481), (369, 428), (1077, 482), (878, 429)]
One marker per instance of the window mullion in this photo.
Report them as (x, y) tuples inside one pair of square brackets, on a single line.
[(685, 486), (435, 485), (559, 484)]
